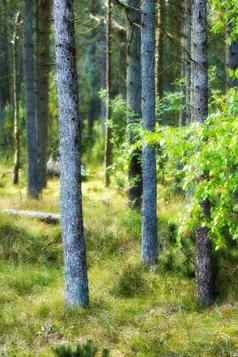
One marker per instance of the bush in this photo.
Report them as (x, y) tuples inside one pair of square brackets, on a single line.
[(130, 282), (86, 350)]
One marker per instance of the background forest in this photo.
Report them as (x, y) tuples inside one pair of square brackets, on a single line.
[(118, 178)]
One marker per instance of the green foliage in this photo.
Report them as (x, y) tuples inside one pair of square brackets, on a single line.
[(224, 12), (171, 103), (204, 160), (86, 350)]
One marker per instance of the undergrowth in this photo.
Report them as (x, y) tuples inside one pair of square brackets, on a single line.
[(133, 311)]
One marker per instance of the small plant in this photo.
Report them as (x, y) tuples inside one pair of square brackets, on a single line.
[(130, 282), (86, 350)]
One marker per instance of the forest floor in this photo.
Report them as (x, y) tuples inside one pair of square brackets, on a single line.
[(133, 311)]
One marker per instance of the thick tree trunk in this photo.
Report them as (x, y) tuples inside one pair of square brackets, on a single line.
[(134, 103), (15, 43), (205, 264), (76, 281), (32, 149), (42, 83), (149, 214), (108, 139)]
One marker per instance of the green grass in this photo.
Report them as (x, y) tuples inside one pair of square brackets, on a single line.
[(133, 311)]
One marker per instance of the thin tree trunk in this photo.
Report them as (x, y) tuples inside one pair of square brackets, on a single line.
[(185, 117), (42, 83), (205, 262), (134, 103), (231, 60), (76, 280), (93, 73), (30, 102), (160, 48), (5, 74), (103, 64), (108, 140), (149, 216), (15, 43)]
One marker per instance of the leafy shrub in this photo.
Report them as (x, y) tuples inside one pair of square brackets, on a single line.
[(205, 158)]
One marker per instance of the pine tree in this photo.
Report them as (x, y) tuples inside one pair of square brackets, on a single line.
[(205, 262), (149, 206), (32, 148), (76, 281), (134, 102), (42, 84), (108, 140)]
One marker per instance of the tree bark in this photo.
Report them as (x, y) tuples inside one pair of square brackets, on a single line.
[(5, 62), (15, 43), (76, 280), (205, 261), (92, 70), (42, 83), (134, 103), (185, 117), (149, 206), (32, 149), (108, 140), (160, 48)]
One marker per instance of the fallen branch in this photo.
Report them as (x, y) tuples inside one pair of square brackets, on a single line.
[(49, 218)]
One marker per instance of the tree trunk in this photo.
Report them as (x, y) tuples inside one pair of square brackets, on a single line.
[(15, 43), (92, 70), (205, 263), (185, 117), (42, 83), (108, 140), (76, 280), (5, 73), (33, 173), (160, 48), (149, 216), (231, 60), (102, 45), (134, 103)]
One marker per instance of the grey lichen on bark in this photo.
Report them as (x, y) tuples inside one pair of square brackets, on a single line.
[(76, 280)]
